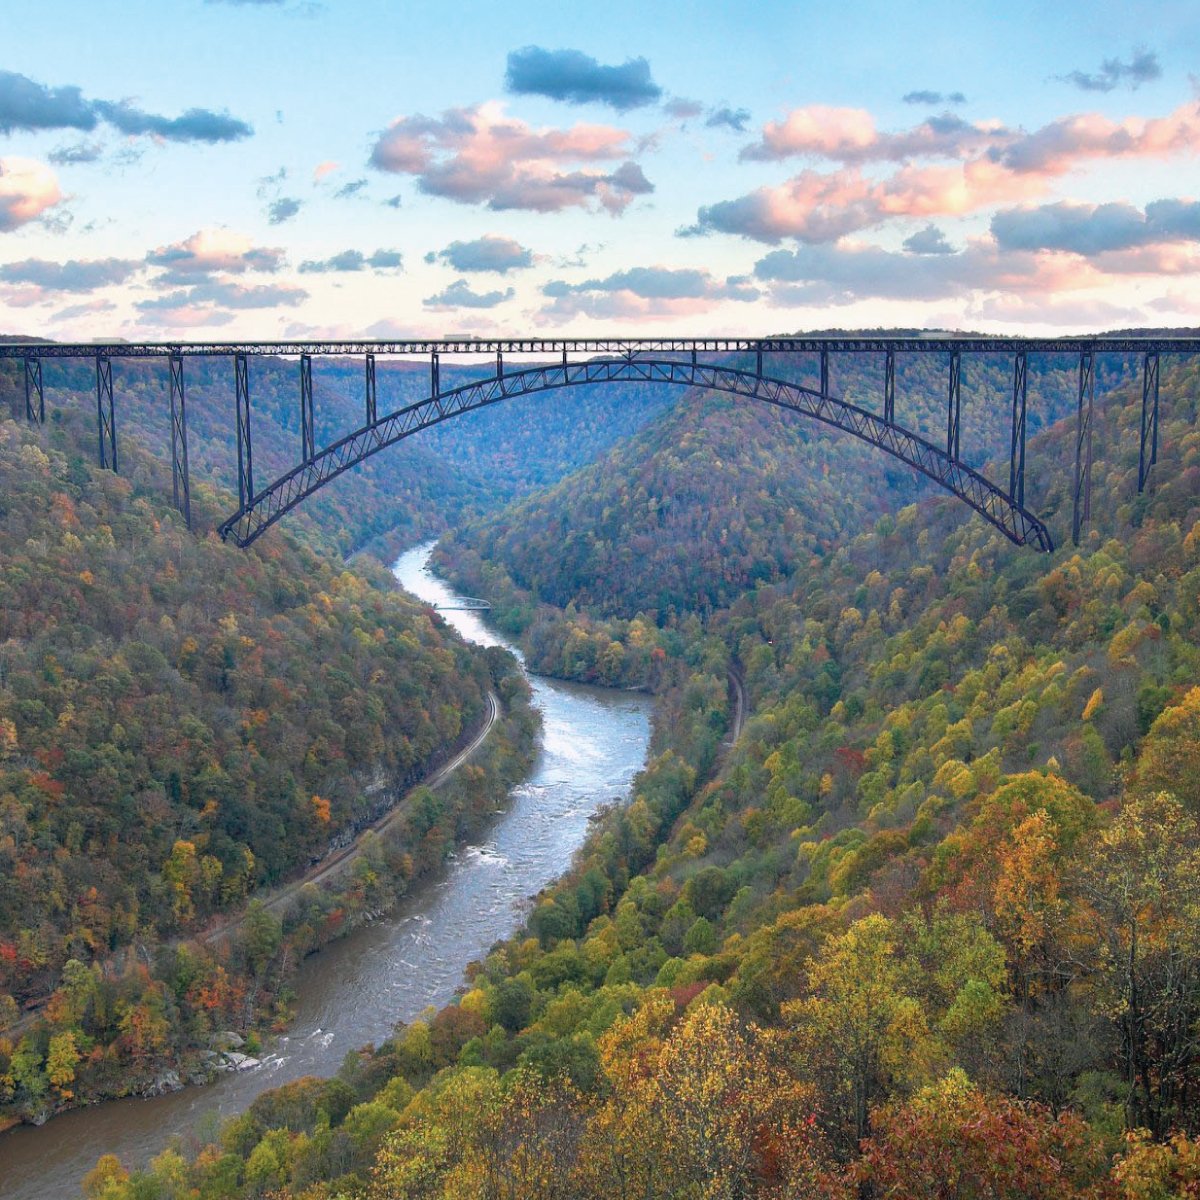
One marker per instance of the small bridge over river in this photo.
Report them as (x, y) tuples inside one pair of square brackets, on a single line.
[(734, 365)]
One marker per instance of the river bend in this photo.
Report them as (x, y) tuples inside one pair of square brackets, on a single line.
[(594, 740)]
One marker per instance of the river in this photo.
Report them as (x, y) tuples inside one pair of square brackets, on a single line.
[(594, 740)]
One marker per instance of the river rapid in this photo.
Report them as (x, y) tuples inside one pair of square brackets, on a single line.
[(594, 740)]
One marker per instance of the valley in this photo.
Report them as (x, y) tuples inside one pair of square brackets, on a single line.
[(873, 719)]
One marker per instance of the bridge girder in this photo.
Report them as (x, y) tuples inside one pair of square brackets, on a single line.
[(259, 511), (821, 344)]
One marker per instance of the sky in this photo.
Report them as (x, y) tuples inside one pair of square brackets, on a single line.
[(226, 169)]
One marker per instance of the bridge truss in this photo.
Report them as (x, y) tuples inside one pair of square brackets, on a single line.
[(672, 361)]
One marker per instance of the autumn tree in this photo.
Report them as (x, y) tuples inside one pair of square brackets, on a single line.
[(953, 1142), (859, 1029), (1170, 756), (1141, 883)]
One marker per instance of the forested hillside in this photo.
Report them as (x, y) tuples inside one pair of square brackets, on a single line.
[(721, 493), (929, 930), (425, 485), (181, 724)]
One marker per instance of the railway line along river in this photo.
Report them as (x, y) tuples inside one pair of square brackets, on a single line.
[(594, 740)]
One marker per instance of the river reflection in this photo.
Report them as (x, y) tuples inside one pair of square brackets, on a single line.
[(594, 741)]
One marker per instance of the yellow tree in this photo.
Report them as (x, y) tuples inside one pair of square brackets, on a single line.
[(1170, 755), (1141, 884), (62, 1058), (859, 1029), (709, 1110)]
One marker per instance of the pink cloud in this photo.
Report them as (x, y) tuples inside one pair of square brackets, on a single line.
[(1088, 313), (1057, 147), (211, 250), (620, 305), (478, 155), (816, 207), (27, 189), (849, 135), (326, 168), (188, 316), (848, 272), (1150, 260), (994, 164)]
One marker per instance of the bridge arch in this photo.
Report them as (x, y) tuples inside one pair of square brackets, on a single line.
[(988, 499)]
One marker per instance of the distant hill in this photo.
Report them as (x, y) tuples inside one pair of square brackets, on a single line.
[(720, 493)]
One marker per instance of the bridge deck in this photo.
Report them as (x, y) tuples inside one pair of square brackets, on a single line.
[(832, 343)]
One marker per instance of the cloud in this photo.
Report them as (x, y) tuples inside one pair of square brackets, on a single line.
[(283, 209), (26, 104), (88, 308), (459, 295), (932, 99), (175, 310), (488, 253), (27, 189), (207, 303), (1143, 67), (195, 125), (323, 169), (237, 295), (246, 3), (847, 272), (211, 250), (682, 109), (992, 164), (849, 136), (1091, 229), (815, 207), (731, 118), (1081, 312), (930, 240), (393, 201), (577, 78), (76, 275), (644, 292), (81, 152), (477, 155), (1058, 146), (353, 260), (350, 189)]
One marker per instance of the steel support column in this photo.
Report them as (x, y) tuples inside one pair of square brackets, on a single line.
[(35, 398), (499, 364), (180, 479), (435, 383), (758, 363), (824, 372), (245, 448), (33, 387), (106, 421), (308, 433), (370, 390), (1147, 459), (1016, 450), (889, 386), (1082, 508), (954, 406)]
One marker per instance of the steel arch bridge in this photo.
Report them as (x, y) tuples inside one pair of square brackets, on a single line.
[(286, 492), (670, 361)]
